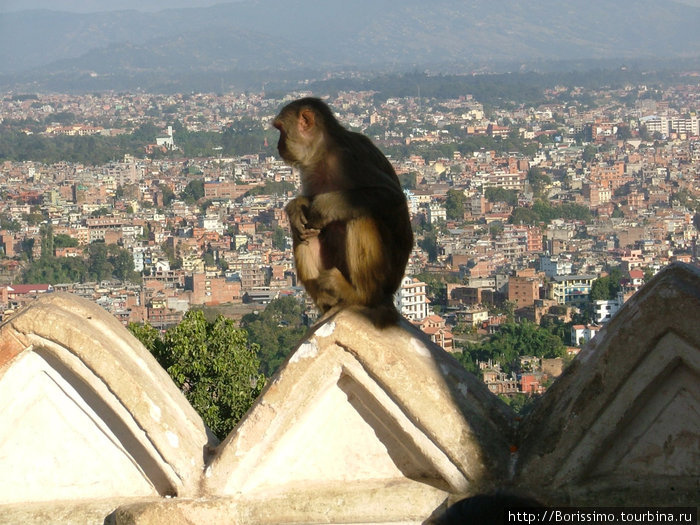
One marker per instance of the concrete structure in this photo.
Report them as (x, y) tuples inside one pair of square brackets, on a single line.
[(411, 299), (358, 426), (570, 289)]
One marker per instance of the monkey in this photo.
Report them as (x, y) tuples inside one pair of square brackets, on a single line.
[(351, 230)]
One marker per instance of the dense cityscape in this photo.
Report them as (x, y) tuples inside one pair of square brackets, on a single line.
[(550, 215)]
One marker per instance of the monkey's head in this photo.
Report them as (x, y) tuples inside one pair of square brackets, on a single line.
[(303, 126)]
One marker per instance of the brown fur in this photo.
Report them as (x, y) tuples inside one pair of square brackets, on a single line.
[(350, 226)]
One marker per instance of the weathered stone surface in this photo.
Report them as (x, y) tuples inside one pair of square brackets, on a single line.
[(359, 426), (368, 503), (622, 425), (355, 405), (87, 412)]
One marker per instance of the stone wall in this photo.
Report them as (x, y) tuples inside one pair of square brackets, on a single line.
[(359, 425)]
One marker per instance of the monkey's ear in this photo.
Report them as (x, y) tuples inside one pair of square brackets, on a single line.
[(307, 119)]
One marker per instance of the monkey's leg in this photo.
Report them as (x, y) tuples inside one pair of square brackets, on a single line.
[(307, 257), (367, 262), (363, 262)]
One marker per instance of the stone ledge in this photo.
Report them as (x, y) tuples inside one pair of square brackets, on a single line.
[(97, 416), (624, 419), (359, 425)]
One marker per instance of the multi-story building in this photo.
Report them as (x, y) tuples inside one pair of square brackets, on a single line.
[(523, 290), (554, 265), (581, 334), (411, 299), (436, 213), (571, 289), (434, 327), (212, 290)]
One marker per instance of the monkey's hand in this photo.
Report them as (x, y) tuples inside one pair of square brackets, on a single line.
[(298, 211)]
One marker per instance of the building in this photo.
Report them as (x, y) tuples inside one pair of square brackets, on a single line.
[(411, 300), (434, 326), (581, 334), (553, 265), (212, 290), (474, 316), (436, 213), (523, 290), (571, 289)]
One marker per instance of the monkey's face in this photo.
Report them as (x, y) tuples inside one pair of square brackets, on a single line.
[(282, 147), (295, 141)]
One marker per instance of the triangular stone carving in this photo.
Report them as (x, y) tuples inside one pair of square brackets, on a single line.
[(382, 409), (624, 418), (52, 438), (87, 412)]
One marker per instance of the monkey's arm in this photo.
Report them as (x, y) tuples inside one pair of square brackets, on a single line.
[(346, 205), (298, 210)]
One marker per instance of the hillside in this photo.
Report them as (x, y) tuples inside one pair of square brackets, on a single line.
[(273, 35)]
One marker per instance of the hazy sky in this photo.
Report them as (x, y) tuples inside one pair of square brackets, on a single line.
[(87, 6)]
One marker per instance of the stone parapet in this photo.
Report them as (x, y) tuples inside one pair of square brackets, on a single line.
[(358, 426)]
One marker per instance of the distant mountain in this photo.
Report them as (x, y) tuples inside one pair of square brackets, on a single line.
[(270, 35)]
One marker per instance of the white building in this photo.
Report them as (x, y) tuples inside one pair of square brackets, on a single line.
[(212, 223), (605, 309), (555, 265), (436, 213), (411, 299), (581, 334), (166, 141)]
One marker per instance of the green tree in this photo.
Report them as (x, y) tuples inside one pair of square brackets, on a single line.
[(276, 330), (122, 263), (522, 404), (430, 245), (606, 287), (454, 205), (193, 191), (47, 248), (99, 267), (538, 181), (168, 194), (64, 241), (589, 153), (7, 223), (213, 364), (279, 238), (495, 194), (408, 180), (514, 340)]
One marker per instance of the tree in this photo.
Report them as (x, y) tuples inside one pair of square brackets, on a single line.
[(47, 249), (589, 153), (276, 330), (122, 263), (408, 180), (495, 194), (607, 287), (193, 191), (212, 363), (64, 241), (279, 238), (538, 181), (514, 340), (168, 194), (99, 267), (430, 245), (454, 205)]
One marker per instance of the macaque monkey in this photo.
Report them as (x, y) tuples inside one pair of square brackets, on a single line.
[(350, 226)]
